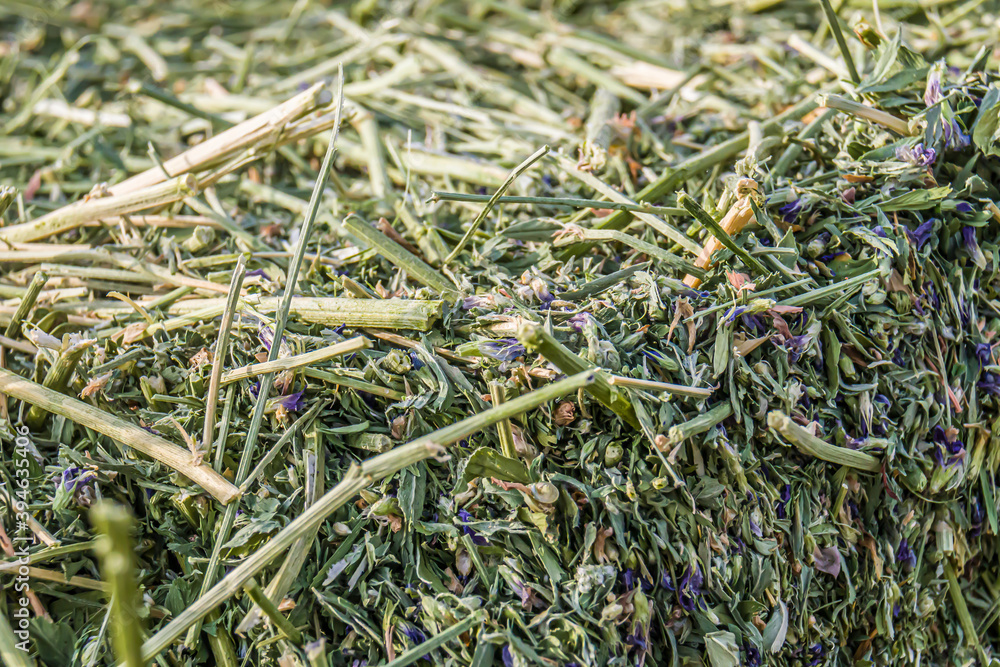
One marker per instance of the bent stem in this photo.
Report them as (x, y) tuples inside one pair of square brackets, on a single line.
[(809, 444), (518, 170)]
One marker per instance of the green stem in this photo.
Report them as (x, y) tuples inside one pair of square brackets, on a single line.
[(962, 610), (8, 195), (426, 235), (339, 378), (58, 377), (709, 223), (399, 256), (10, 654), (316, 653), (116, 428), (26, 304), (114, 547), (288, 363), (809, 444), (654, 251), (267, 381), (831, 17), (518, 170), (700, 424), (314, 471), (440, 639), (219, 358), (504, 430), (887, 120), (835, 289), (570, 202), (538, 340), (99, 208), (256, 594), (653, 385)]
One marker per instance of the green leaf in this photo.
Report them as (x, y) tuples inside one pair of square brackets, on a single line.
[(917, 200), (722, 649), (54, 641), (776, 628), (986, 129), (412, 490), (486, 462), (360, 427)]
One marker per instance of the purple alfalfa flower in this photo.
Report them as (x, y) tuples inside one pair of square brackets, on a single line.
[(954, 138), (72, 479), (817, 652), (946, 446), (689, 591), (734, 312), (753, 322), (918, 155), (464, 516), (266, 335), (753, 655), (666, 581), (971, 246), (990, 384), (932, 92), (656, 357), (969, 237), (508, 658), (260, 273), (69, 476), (794, 346), (579, 321), (289, 402), (782, 503), (829, 257), (963, 207), (984, 353), (628, 578), (976, 514), (505, 349), (637, 639), (922, 234), (905, 555), (790, 211), (415, 635), (415, 360), (955, 447), (470, 302)]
